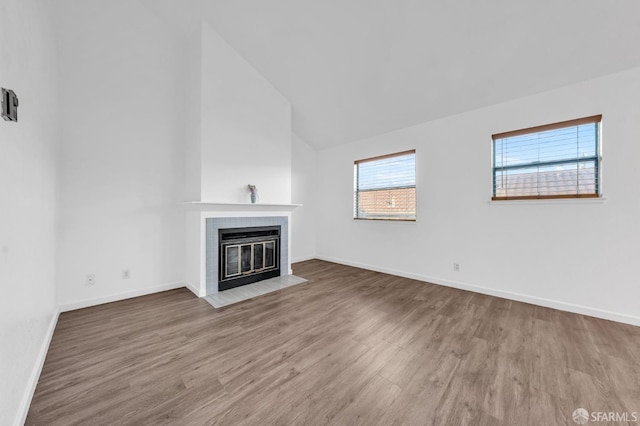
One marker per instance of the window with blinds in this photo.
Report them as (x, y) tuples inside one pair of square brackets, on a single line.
[(560, 160), (385, 187)]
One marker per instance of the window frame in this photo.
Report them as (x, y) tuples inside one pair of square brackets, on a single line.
[(357, 191), (597, 159)]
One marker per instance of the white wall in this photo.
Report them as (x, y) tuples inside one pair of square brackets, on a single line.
[(191, 84), (304, 174), (574, 255), (27, 202), (246, 129), (122, 162)]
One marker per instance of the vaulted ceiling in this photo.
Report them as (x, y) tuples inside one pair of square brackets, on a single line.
[(357, 68)]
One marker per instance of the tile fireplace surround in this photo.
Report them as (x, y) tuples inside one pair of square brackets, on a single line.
[(203, 222), (213, 224)]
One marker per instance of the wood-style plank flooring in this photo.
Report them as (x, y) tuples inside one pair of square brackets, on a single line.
[(348, 347)]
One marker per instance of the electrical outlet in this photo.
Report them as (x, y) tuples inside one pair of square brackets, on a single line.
[(126, 274), (456, 267), (90, 280)]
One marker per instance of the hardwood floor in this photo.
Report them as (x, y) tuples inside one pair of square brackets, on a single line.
[(348, 347)]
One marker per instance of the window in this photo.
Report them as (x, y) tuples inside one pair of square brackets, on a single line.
[(385, 187), (560, 160)]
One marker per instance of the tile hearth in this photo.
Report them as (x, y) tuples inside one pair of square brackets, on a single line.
[(245, 292)]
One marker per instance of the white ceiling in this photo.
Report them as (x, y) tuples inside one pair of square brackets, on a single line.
[(357, 68)]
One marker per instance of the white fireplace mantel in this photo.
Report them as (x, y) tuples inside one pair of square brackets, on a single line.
[(238, 207)]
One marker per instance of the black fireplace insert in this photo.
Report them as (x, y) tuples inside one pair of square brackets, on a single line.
[(248, 255)]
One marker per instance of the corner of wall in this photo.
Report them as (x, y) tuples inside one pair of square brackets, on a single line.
[(304, 184), (34, 377)]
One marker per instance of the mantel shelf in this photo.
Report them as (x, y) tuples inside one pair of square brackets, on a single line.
[(205, 205)]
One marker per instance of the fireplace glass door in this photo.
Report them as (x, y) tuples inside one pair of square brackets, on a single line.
[(249, 258)]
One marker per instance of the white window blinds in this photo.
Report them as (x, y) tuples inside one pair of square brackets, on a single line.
[(385, 187), (560, 160)]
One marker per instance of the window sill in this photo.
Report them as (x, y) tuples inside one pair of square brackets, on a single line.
[(599, 200)]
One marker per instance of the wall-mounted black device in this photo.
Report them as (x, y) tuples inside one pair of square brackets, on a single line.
[(9, 105)]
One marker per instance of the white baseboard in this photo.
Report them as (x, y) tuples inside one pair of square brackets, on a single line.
[(303, 259), (21, 416), (534, 300), (120, 296), (195, 290)]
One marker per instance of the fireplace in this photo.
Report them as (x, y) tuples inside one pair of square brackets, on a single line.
[(212, 254), (248, 255)]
